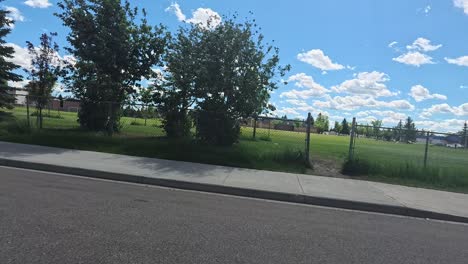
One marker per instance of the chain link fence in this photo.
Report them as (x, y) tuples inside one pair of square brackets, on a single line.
[(408, 152), (284, 136)]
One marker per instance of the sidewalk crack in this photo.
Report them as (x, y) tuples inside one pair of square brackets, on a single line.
[(300, 185)]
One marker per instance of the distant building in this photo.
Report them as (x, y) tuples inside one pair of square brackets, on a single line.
[(20, 95), (69, 105)]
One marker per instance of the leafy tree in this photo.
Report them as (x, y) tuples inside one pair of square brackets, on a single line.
[(321, 123), (46, 68), (387, 135), (410, 130), (337, 127), (398, 132), (345, 127), (235, 74), (6, 67), (113, 52), (146, 97), (361, 129), (464, 135), (376, 124), (176, 92)]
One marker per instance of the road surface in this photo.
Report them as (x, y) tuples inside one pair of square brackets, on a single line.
[(53, 218)]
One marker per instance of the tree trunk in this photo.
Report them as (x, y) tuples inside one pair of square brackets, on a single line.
[(40, 118)]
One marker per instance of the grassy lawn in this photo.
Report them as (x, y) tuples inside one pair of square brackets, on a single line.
[(273, 150)]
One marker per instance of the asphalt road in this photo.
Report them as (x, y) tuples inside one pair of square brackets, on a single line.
[(52, 218)]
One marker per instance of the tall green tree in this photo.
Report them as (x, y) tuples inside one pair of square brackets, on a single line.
[(464, 135), (321, 123), (113, 51), (398, 131), (376, 125), (337, 127), (345, 127), (146, 96), (46, 69), (6, 67), (236, 73), (175, 93), (410, 130)]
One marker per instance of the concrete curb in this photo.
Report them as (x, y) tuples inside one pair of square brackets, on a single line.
[(269, 195)]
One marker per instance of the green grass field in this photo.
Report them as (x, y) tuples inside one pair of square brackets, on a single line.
[(273, 150)]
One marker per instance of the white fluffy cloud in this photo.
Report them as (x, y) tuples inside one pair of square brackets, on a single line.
[(387, 117), (302, 80), (448, 125), (460, 61), (463, 4), (205, 17), (318, 59), (21, 56), (420, 93), (20, 84), (366, 83), (38, 3), (414, 58), (349, 103), (461, 110), (424, 45)]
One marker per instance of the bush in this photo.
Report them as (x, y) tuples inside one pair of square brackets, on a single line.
[(216, 128), (176, 124)]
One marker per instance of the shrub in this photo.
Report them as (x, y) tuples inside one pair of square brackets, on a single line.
[(216, 128)]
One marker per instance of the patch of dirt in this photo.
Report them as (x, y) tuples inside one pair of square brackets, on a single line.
[(326, 167)]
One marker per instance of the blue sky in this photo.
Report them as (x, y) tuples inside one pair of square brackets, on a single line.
[(369, 59)]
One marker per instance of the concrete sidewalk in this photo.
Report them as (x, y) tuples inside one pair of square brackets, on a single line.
[(335, 192)]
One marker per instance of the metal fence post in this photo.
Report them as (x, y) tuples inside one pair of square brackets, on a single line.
[(351, 141), (255, 127), (307, 146), (426, 149)]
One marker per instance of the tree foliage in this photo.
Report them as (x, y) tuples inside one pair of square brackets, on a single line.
[(409, 130), (112, 51), (175, 93), (224, 73), (46, 69), (337, 127), (344, 127), (376, 125), (6, 67), (321, 123), (236, 74)]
